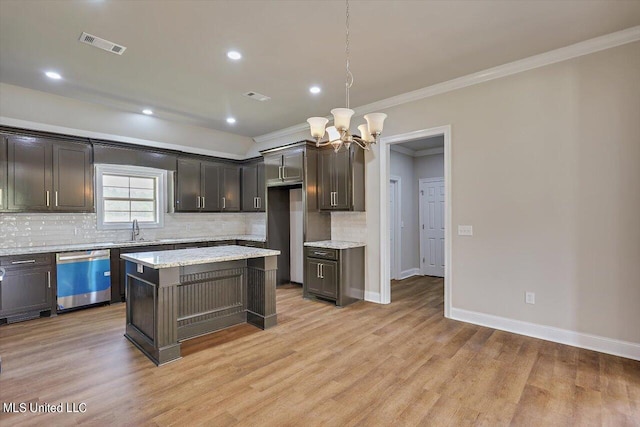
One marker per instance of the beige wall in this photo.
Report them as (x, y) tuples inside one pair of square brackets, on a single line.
[(34, 109), (546, 167)]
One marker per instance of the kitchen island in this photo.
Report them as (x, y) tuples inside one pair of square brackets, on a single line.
[(175, 295)]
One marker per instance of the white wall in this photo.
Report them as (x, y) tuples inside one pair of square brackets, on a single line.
[(402, 165), (38, 110)]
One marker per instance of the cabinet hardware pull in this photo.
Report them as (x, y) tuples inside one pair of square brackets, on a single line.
[(49, 278), (284, 173), (318, 270), (259, 202), (48, 198), (202, 202), (280, 172), (30, 261), (255, 202), (322, 271), (56, 198), (320, 253), (198, 201), (224, 203), (1, 197)]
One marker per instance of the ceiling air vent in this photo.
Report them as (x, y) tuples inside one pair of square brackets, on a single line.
[(102, 44), (257, 96)]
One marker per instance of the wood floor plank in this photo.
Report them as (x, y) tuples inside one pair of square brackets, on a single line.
[(366, 364)]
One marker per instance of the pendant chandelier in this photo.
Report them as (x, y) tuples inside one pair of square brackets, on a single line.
[(339, 135)]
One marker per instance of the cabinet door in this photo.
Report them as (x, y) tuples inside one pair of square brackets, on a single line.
[(211, 185), (313, 280), (329, 272), (230, 188), (25, 290), (325, 179), (272, 164), (72, 177), (29, 178), (261, 187), (342, 179), (187, 185), (249, 187), (3, 172), (292, 162)]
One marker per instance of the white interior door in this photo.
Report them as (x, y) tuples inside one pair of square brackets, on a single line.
[(392, 228), (432, 226)]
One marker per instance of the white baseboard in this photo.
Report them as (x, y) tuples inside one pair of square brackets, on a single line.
[(563, 336), (409, 273), (373, 297)]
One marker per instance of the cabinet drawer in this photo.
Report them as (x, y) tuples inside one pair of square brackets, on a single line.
[(251, 244), (322, 253), (25, 260), (190, 245)]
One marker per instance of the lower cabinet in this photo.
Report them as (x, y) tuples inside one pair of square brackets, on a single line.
[(27, 287), (336, 275), (119, 276)]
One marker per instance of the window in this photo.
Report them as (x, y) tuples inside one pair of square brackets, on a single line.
[(127, 193)]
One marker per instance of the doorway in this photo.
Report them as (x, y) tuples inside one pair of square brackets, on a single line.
[(385, 213), (395, 221)]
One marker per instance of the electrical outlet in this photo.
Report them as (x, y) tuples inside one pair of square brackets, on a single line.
[(140, 268), (465, 230), (530, 297)]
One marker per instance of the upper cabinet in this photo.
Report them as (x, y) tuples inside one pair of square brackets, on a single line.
[(285, 166), (3, 172), (341, 179), (253, 187), (49, 175), (110, 154), (207, 186)]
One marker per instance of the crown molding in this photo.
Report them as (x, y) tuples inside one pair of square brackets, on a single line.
[(429, 152), (586, 47), (402, 150)]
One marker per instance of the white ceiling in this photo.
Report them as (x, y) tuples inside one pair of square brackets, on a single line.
[(424, 144), (175, 61)]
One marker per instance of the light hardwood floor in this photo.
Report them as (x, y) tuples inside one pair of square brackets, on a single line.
[(368, 364)]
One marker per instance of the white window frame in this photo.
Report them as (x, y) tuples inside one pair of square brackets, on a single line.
[(138, 171)]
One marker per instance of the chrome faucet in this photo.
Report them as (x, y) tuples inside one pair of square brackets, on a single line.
[(135, 230)]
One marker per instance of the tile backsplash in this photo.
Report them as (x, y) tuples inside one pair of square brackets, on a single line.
[(349, 226), (30, 229)]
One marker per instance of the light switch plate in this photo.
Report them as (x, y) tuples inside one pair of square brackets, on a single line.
[(530, 297), (465, 230)]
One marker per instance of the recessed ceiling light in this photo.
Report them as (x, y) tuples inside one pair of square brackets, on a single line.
[(231, 120), (235, 55), (53, 75), (147, 111), (315, 89)]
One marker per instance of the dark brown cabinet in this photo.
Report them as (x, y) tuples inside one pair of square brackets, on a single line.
[(341, 179), (49, 175), (109, 154), (253, 187), (207, 187), (322, 277), (119, 271), (285, 166), (334, 274), (230, 188), (27, 286), (3, 173)]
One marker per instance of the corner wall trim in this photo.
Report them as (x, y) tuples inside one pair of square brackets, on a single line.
[(409, 273), (372, 297), (620, 348), (586, 47)]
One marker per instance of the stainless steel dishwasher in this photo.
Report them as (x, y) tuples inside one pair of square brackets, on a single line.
[(84, 278)]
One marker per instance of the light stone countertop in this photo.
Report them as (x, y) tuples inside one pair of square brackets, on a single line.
[(183, 257), (125, 244), (335, 244)]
